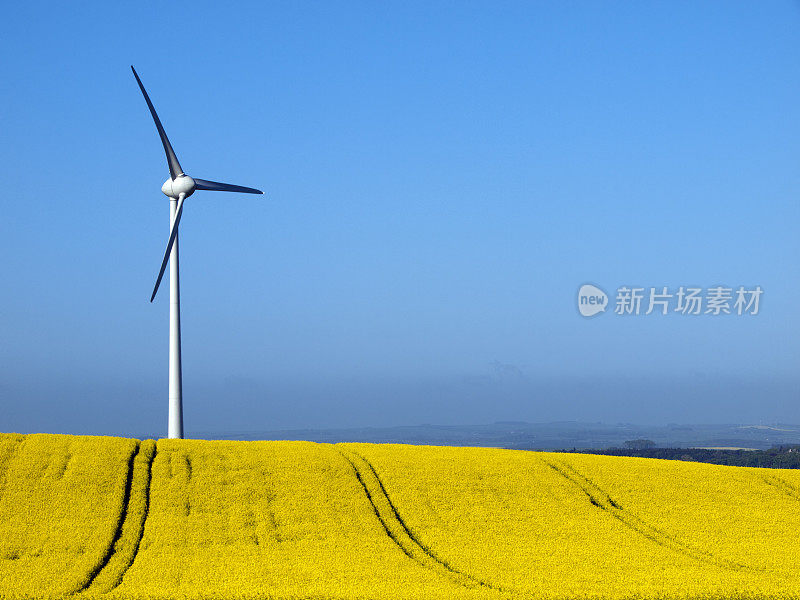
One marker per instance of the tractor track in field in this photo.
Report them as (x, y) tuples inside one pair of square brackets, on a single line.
[(144, 517), (396, 528), (6, 464), (783, 486), (83, 585), (124, 523), (602, 500)]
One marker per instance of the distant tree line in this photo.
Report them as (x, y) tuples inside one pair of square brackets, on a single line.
[(777, 457)]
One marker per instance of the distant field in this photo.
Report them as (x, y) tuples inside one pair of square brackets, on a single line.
[(92, 517)]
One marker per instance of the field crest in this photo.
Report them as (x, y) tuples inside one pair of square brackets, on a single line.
[(92, 517)]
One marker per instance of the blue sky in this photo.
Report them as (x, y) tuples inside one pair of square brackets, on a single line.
[(439, 179)]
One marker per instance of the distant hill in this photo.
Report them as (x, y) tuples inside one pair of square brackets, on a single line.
[(541, 436)]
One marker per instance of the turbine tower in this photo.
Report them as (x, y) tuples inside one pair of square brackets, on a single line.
[(178, 187)]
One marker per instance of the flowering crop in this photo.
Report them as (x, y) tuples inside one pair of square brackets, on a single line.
[(549, 525), (270, 520), (120, 519), (61, 502)]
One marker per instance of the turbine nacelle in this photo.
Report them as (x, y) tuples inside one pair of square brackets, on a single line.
[(182, 184)]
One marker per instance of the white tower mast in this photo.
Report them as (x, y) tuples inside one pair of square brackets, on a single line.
[(175, 429)]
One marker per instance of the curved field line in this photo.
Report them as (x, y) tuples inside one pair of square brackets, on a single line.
[(5, 462), (87, 581), (148, 485), (129, 533), (782, 485), (398, 531), (602, 500)]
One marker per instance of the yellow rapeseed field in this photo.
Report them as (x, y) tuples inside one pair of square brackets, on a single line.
[(101, 517), (61, 499)]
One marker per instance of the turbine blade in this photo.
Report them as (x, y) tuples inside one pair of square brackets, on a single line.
[(215, 186), (172, 160), (173, 232)]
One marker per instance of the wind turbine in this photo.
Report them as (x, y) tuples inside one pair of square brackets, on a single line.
[(178, 187)]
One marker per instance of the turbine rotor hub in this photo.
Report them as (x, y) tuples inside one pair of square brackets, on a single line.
[(182, 184)]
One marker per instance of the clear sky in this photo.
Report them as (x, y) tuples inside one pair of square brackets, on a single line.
[(439, 177)]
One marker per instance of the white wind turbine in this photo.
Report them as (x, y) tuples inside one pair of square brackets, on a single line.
[(178, 187)]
